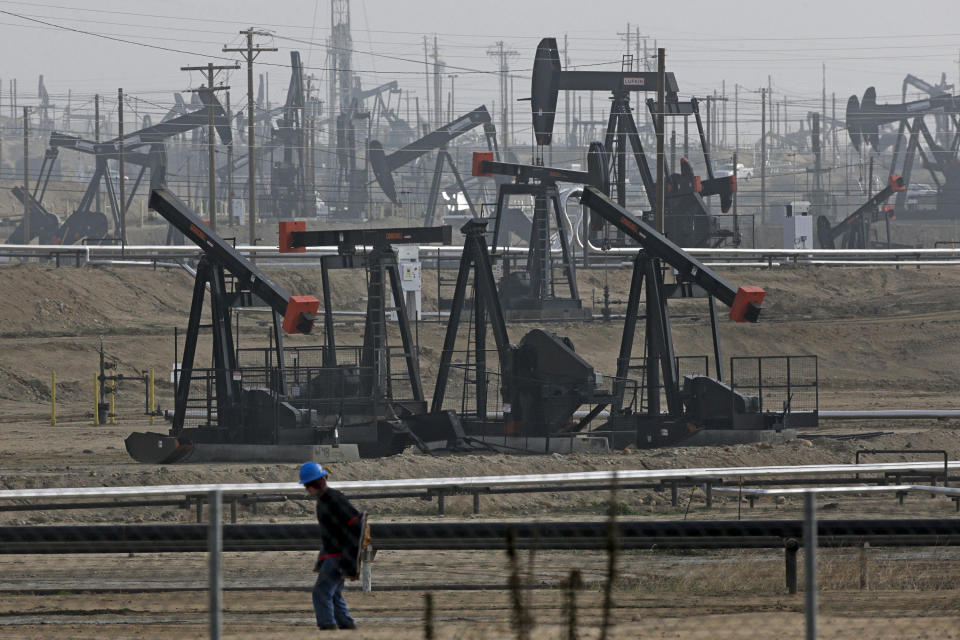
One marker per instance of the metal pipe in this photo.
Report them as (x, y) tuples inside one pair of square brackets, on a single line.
[(478, 535), (215, 569), (810, 562), (891, 414), (272, 251), (584, 478)]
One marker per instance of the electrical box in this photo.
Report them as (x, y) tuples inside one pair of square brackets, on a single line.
[(408, 261), (798, 226)]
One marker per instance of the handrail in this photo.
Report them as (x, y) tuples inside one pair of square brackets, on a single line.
[(585, 478)]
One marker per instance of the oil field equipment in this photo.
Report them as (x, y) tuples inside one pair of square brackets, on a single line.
[(144, 148), (269, 404), (696, 403), (238, 429), (379, 408), (854, 230), (384, 165), (534, 292), (687, 219), (864, 119), (352, 192), (288, 184), (542, 381)]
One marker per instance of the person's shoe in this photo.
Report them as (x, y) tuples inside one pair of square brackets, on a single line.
[(349, 625), (329, 627)]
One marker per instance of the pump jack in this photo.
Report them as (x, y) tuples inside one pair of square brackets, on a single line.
[(339, 406), (144, 148), (239, 427), (542, 379), (688, 222), (864, 119), (384, 165), (366, 392), (698, 402), (532, 293), (854, 229)]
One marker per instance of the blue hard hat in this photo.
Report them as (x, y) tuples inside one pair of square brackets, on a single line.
[(310, 471)]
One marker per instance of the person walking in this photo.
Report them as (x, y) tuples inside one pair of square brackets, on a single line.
[(342, 528)]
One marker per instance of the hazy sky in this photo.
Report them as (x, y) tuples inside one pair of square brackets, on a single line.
[(862, 43)]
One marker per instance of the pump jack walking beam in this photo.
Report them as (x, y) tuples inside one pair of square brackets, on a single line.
[(384, 165), (828, 235), (744, 302), (298, 312)]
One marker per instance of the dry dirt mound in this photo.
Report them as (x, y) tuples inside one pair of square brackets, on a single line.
[(884, 337)]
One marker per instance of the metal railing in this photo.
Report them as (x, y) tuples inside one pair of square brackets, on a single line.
[(788, 384)]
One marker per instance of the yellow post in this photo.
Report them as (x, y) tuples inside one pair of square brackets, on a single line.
[(153, 404), (113, 405), (96, 400), (53, 398)]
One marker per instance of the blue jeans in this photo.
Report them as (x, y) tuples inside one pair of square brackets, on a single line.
[(328, 602)]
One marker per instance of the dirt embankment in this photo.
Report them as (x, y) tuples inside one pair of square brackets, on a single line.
[(884, 337)]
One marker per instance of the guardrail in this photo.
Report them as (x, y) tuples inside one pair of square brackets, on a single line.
[(476, 486), (152, 254), (900, 490)]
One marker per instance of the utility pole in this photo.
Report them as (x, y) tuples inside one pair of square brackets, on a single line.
[(661, 183), (250, 53), (426, 78), (120, 179), (763, 154), (211, 71), (1, 133), (833, 129), (453, 96), (229, 163), (566, 96), (723, 138), (96, 136), (823, 106), (736, 117), (786, 119), (503, 55), (26, 175), (437, 86)]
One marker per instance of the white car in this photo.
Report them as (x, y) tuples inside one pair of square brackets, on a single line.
[(743, 173)]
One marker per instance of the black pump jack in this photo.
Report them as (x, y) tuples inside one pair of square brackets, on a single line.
[(384, 165), (688, 221)]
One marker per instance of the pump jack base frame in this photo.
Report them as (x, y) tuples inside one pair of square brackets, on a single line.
[(634, 431), (547, 313), (158, 448)]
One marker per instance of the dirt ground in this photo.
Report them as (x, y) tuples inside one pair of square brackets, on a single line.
[(885, 338)]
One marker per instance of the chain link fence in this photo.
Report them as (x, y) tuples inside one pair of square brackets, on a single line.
[(681, 554)]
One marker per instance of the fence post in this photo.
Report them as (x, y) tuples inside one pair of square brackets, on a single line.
[(810, 549), (215, 551), (864, 569), (53, 398), (153, 396), (790, 548), (96, 400)]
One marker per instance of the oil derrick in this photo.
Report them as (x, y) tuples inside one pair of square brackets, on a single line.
[(44, 108), (341, 135)]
